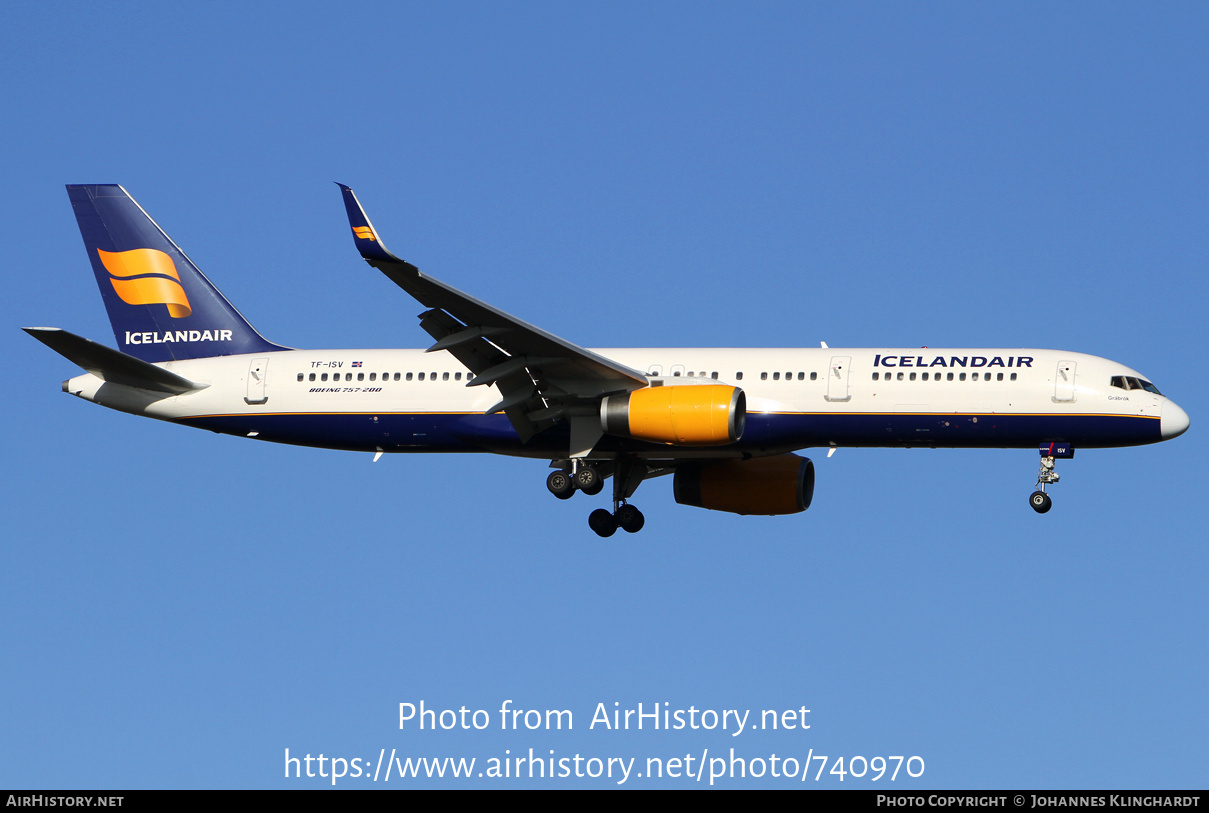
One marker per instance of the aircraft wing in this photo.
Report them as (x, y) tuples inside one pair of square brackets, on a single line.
[(540, 376)]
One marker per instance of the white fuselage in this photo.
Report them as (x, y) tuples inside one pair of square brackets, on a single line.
[(410, 400)]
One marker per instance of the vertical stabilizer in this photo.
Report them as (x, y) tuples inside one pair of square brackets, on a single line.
[(161, 306)]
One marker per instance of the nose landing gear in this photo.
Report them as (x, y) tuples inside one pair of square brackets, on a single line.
[(1039, 500)]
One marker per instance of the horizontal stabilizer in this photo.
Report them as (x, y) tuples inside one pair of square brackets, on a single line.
[(112, 365)]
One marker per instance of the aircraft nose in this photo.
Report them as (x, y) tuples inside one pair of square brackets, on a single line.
[(1173, 421)]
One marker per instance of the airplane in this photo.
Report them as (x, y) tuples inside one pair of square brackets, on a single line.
[(725, 423)]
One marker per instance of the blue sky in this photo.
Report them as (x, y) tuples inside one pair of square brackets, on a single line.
[(180, 608)]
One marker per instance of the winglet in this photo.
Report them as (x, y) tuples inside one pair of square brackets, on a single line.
[(364, 235)]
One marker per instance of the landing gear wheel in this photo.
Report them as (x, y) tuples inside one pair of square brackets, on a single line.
[(630, 519), (1040, 502), (588, 480), (561, 485), (602, 522)]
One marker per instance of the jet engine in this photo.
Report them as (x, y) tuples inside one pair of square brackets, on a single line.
[(686, 415), (781, 484)]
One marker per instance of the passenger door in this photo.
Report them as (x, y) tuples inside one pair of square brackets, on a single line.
[(257, 371), (1064, 382), (837, 378)]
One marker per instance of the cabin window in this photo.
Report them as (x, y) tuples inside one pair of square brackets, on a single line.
[(900, 376), (444, 376), (312, 377), (776, 376), (738, 376), (814, 376), (360, 376), (763, 376), (714, 375), (875, 376), (420, 377), (961, 377)]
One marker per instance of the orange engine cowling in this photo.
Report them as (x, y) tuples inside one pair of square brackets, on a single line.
[(781, 484), (687, 415)]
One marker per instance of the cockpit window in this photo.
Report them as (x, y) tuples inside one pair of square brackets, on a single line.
[(1128, 382)]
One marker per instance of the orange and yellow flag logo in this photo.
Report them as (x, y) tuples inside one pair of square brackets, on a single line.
[(364, 233), (145, 276)]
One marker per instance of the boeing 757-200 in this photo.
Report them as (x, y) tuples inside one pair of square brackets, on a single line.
[(726, 423)]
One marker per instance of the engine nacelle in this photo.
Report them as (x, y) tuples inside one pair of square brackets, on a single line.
[(781, 484), (686, 415)]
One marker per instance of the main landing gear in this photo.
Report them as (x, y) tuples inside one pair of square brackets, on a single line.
[(1039, 500), (626, 517), (586, 478)]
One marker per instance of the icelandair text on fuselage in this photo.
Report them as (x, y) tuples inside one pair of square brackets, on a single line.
[(655, 717), (178, 336), (953, 361)]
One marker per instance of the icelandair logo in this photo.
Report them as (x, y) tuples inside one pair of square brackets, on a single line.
[(145, 276), (178, 336), (364, 233)]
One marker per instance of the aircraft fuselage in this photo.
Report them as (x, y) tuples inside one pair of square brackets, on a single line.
[(412, 401)]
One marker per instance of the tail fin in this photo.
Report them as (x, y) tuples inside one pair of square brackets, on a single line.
[(161, 306)]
